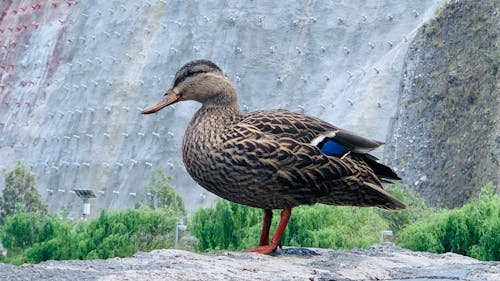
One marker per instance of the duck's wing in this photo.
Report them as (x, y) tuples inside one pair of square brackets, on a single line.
[(307, 129), (300, 171), (331, 140)]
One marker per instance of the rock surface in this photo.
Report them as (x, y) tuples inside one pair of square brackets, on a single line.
[(445, 141), (380, 262)]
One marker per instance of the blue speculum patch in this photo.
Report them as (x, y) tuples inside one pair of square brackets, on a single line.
[(332, 148)]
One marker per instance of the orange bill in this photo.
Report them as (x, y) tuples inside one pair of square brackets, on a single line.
[(169, 98)]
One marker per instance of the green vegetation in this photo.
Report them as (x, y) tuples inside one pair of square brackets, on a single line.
[(473, 230), (33, 238), (235, 227), (335, 227), (163, 195), (29, 235), (226, 226), (20, 193), (415, 208)]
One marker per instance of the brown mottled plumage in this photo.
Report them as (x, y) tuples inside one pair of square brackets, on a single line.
[(271, 159)]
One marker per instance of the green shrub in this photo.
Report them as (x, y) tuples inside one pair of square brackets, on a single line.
[(232, 226), (30, 237), (226, 226), (472, 230), (124, 233), (35, 237), (489, 242), (424, 234), (335, 227), (22, 230), (415, 208)]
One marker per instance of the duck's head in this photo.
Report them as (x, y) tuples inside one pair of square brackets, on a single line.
[(199, 80)]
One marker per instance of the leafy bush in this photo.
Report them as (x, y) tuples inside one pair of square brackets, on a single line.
[(22, 230), (54, 243), (23, 233), (124, 233), (226, 226), (472, 230), (415, 208), (234, 227), (30, 237), (335, 227), (427, 237)]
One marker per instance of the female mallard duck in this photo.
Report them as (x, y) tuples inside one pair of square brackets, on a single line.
[(272, 159)]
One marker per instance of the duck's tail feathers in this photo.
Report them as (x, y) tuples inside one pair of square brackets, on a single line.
[(363, 194), (383, 172), (382, 199)]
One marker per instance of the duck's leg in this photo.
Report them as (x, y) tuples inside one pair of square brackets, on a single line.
[(266, 224), (278, 234)]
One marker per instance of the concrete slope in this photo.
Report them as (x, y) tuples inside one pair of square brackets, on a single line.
[(75, 74)]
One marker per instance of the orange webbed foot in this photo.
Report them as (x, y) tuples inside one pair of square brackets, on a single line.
[(267, 249)]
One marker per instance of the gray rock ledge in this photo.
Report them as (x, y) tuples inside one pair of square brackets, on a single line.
[(380, 262)]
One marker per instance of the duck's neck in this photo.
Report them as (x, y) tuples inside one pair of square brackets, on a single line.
[(219, 115), (210, 121)]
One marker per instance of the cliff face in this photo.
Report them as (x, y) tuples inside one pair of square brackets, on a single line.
[(75, 74), (445, 141)]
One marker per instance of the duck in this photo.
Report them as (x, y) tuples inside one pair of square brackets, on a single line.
[(272, 159)]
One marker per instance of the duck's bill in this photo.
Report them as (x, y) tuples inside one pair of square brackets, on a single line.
[(169, 98)]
